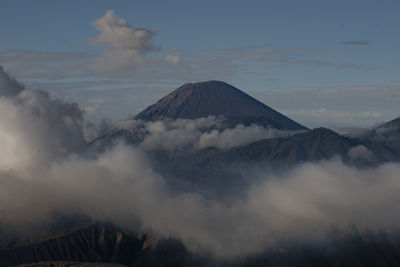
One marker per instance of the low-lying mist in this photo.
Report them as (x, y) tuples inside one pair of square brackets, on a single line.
[(43, 173), (195, 134)]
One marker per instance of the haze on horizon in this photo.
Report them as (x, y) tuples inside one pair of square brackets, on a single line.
[(322, 64)]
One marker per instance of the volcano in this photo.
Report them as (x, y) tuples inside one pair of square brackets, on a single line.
[(196, 100)]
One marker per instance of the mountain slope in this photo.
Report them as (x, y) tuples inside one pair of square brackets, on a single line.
[(99, 243), (196, 100), (388, 133), (92, 243), (314, 145), (225, 172)]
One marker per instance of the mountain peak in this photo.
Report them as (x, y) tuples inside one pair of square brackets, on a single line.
[(202, 99), (206, 83)]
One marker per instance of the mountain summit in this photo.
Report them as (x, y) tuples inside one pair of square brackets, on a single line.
[(196, 100)]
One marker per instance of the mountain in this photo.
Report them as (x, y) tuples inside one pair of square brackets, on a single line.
[(98, 245), (196, 100), (221, 171), (83, 243), (101, 245), (314, 145), (388, 133)]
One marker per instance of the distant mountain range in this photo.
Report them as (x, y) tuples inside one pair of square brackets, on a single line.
[(219, 173), (213, 169)]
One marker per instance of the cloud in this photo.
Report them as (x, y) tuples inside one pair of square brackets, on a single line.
[(30, 64), (358, 42), (95, 122), (129, 52), (114, 31), (361, 153), (120, 186), (8, 86), (356, 106), (339, 114), (284, 56), (127, 47), (173, 59), (239, 136), (387, 133), (35, 128), (187, 134), (298, 61)]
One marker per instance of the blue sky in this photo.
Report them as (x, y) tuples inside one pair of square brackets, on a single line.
[(323, 63)]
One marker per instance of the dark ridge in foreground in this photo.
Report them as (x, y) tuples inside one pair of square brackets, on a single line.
[(196, 100), (93, 243), (70, 264), (101, 245)]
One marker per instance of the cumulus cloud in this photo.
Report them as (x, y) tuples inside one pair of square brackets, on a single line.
[(117, 33), (35, 128), (127, 47)]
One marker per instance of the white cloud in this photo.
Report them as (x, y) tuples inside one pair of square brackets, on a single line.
[(117, 33), (127, 47), (35, 128), (173, 59), (350, 106), (197, 133)]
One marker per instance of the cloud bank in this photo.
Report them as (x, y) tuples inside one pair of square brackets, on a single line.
[(197, 133)]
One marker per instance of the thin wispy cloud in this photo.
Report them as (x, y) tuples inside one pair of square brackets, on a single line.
[(358, 105), (189, 135), (357, 42)]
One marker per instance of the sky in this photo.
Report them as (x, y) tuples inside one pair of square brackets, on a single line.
[(322, 63)]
